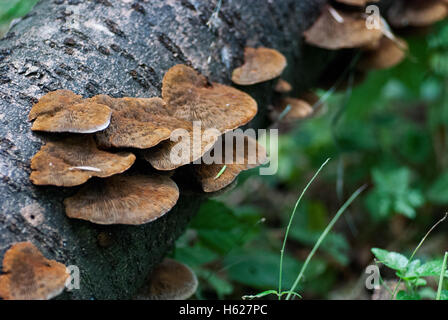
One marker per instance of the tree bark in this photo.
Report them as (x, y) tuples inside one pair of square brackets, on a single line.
[(123, 48)]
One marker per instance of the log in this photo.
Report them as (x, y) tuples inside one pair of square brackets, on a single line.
[(123, 48)]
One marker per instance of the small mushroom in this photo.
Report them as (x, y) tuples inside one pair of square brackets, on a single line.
[(64, 111), (28, 275), (356, 3), (336, 30), (136, 122), (416, 13), (72, 161), (238, 153), (123, 199), (291, 109), (217, 108), (282, 86), (170, 280), (260, 65), (388, 54)]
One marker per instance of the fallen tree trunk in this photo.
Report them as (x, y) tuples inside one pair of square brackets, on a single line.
[(123, 48)]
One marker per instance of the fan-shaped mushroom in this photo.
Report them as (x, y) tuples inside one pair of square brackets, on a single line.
[(64, 111), (260, 64), (357, 3), (72, 161), (122, 199), (388, 54), (28, 275), (416, 13), (215, 107), (233, 153), (170, 280), (136, 122), (346, 30)]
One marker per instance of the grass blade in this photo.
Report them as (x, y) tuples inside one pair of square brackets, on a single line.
[(442, 275)]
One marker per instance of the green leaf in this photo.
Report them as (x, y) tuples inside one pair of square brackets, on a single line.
[(393, 260), (259, 268), (403, 295), (438, 192)]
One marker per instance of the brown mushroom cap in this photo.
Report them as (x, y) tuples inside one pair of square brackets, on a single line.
[(282, 86), (170, 280), (260, 64), (388, 54), (136, 122), (191, 98), (298, 109), (74, 160), (122, 199), (64, 111), (245, 155), (331, 34), (416, 13), (28, 275), (358, 3)]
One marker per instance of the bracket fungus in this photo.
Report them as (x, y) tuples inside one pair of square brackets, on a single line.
[(28, 275), (136, 122), (291, 109), (336, 30), (235, 152), (170, 280), (416, 13), (388, 54), (64, 111), (282, 86), (72, 161), (215, 107), (123, 199), (260, 65)]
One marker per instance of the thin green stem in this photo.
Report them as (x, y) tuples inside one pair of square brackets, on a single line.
[(416, 249), (282, 251), (442, 275), (322, 237)]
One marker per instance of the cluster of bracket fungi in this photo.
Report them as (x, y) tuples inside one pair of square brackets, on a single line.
[(89, 127)]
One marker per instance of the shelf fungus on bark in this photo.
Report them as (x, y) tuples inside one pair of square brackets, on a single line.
[(233, 152), (337, 30), (170, 280), (356, 3), (28, 275), (64, 111), (388, 54), (123, 199), (260, 65), (213, 107), (416, 13), (74, 160), (282, 86), (136, 122)]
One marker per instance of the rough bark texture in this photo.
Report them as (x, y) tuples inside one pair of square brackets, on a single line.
[(123, 48)]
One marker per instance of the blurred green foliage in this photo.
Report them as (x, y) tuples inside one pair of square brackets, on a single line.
[(11, 9)]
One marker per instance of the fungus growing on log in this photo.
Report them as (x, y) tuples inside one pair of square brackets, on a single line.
[(136, 122), (336, 30), (170, 280), (217, 109), (282, 86), (235, 152), (388, 54), (28, 275), (260, 65), (416, 13), (64, 111), (72, 161), (123, 199)]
